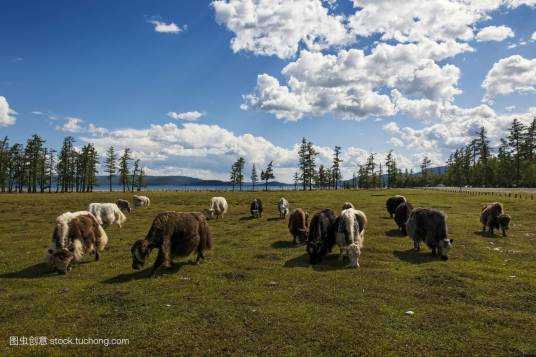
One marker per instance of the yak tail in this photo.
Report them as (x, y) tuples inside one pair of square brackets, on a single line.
[(102, 239), (205, 242)]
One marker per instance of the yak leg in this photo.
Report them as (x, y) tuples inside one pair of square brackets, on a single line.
[(483, 228), (434, 251), (341, 254), (166, 250), (294, 240), (416, 245), (159, 260), (504, 232)]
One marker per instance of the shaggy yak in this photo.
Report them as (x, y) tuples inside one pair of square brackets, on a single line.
[(283, 208), (402, 213), (75, 234), (256, 208), (393, 202), (141, 201), (123, 205), (298, 225), (321, 237), (107, 214), (174, 234), (429, 226), (350, 226), (492, 216), (216, 208)]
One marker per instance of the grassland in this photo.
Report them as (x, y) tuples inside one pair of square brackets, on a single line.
[(257, 295)]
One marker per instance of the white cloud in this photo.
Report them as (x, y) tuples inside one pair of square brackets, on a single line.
[(7, 115), (511, 74), (495, 33), (71, 125), (533, 37), (163, 27), (278, 27), (187, 116)]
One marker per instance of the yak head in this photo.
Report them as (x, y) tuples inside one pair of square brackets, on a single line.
[(140, 252), (504, 223), (60, 260), (209, 213), (444, 247), (303, 233)]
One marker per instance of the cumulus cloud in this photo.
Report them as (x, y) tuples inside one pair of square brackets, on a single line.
[(278, 27), (495, 33), (71, 125), (163, 27), (533, 37), (187, 116), (7, 115), (208, 151), (511, 74)]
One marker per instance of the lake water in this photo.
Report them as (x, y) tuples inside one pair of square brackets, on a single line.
[(197, 188)]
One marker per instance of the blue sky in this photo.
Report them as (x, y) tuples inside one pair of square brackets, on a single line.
[(258, 76)]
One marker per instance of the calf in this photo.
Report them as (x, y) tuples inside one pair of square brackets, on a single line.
[(298, 225), (75, 234), (321, 237), (393, 202), (256, 208), (492, 217), (402, 213), (350, 234), (217, 208), (429, 226), (283, 208), (174, 234)]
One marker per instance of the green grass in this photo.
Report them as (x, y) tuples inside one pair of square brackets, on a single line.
[(256, 293)]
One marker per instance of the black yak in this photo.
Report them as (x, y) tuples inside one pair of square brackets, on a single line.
[(493, 217), (402, 213), (392, 203), (256, 208), (429, 226), (298, 225), (321, 237), (174, 234)]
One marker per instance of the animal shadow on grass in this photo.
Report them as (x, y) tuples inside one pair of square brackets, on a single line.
[(414, 257), (329, 262), (486, 234), (145, 273), (247, 218), (38, 270), (274, 219), (394, 233), (283, 244)]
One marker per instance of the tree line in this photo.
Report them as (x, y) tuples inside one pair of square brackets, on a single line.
[(36, 168), (511, 164)]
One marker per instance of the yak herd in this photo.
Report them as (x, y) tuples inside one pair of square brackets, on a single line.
[(179, 234)]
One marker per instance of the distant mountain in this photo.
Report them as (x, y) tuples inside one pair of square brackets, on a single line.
[(181, 181)]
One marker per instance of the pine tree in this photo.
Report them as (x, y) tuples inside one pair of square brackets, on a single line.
[(135, 172), (254, 176), (124, 169), (268, 174), (110, 165), (515, 140), (141, 179), (311, 164), (302, 165), (336, 166), (425, 165)]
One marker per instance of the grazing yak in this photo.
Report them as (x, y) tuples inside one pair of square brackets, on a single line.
[(256, 208), (298, 225), (402, 213), (283, 208), (429, 226), (347, 205), (393, 202), (107, 214), (217, 207), (492, 216), (350, 234), (123, 205), (174, 234), (75, 234), (141, 201), (321, 237)]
